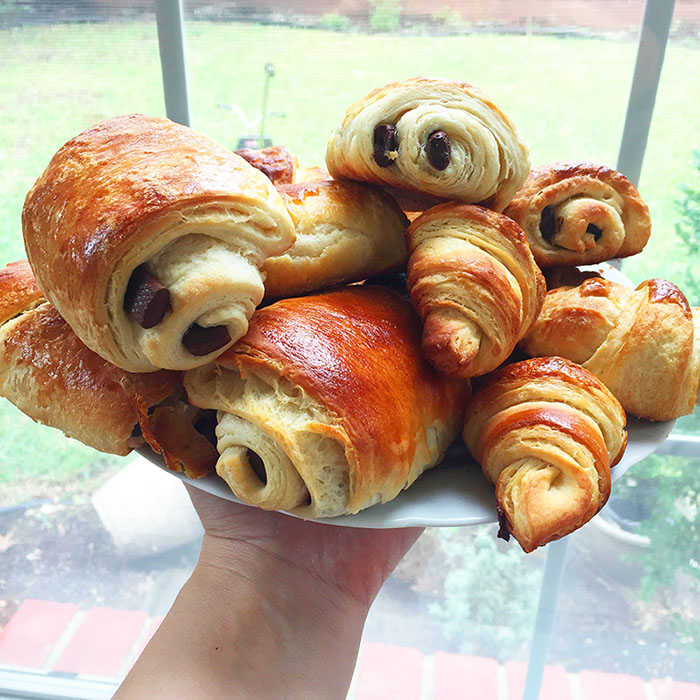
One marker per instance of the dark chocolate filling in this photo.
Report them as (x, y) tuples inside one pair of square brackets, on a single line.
[(146, 300), (202, 340), (547, 224), (384, 141), (439, 150), (597, 232), (504, 530)]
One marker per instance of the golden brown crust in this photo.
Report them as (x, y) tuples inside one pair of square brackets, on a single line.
[(642, 343), (18, 290), (488, 160), (473, 280), (545, 432), (578, 213), (345, 232), (313, 173), (56, 380), (170, 431), (115, 196), (52, 377), (356, 351), (276, 162)]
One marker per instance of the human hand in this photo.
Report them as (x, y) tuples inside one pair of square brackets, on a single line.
[(353, 561), (275, 608)]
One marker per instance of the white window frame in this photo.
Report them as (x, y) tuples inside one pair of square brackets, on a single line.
[(653, 40)]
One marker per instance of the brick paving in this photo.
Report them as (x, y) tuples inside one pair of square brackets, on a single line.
[(57, 639)]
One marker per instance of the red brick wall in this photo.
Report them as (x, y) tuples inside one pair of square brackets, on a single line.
[(592, 14)]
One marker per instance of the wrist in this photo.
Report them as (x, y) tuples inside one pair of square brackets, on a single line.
[(281, 631)]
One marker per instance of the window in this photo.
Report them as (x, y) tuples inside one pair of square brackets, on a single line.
[(622, 606)]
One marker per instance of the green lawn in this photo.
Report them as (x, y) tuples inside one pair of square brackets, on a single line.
[(567, 97)]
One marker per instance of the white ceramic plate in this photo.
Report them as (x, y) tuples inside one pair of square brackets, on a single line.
[(455, 493), (452, 494)]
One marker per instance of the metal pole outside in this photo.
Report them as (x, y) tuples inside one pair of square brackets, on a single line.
[(171, 43), (651, 49)]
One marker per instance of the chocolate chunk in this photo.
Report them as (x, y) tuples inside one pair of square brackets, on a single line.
[(547, 224), (384, 142), (439, 150), (597, 232), (146, 299), (257, 465), (202, 340), (504, 529)]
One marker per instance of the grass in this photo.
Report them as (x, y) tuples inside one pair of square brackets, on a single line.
[(567, 97), (38, 461)]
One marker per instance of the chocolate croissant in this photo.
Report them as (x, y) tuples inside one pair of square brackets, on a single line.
[(148, 238), (326, 406), (438, 137), (546, 432), (52, 377), (473, 280), (345, 232), (580, 213), (643, 343)]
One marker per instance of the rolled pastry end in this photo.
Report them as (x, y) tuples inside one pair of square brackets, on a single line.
[(256, 469), (540, 502), (579, 224), (451, 342), (189, 303)]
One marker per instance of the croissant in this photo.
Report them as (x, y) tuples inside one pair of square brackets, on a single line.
[(326, 406), (281, 166), (436, 137), (643, 343), (473, 280), (546, 432), (52, 377), (148, 238), (345, 232), (580, 213)]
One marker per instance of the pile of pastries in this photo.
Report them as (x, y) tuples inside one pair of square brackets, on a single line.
[(319, 337)]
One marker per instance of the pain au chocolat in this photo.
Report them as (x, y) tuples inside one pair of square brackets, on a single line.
[(52, 377), (436, 137), (345, 232), (327, 406), (148, 239), (578, 213)]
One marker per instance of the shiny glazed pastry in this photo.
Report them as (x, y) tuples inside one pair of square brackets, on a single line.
[(281, 166), (546, 432), (148, 238), (643, 343), (326, 406), (52, 377), (436, 137), (473, 280), (580, 213), (345, 232), (276, 162)]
